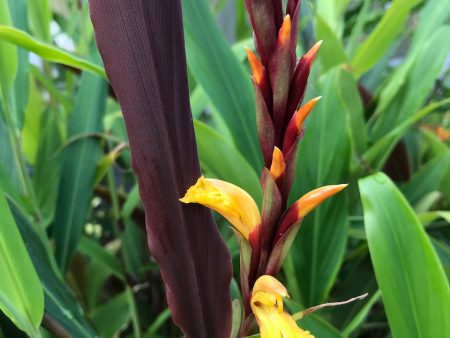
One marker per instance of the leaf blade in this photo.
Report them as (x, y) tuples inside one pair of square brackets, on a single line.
[(414, 288)]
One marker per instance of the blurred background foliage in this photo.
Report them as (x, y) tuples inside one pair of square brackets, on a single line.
[(69, 202)]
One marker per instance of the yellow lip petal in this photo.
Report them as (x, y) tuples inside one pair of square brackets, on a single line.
[(230, 201), (267, 306)]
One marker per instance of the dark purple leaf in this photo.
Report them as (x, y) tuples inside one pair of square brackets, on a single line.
[(141, 43)]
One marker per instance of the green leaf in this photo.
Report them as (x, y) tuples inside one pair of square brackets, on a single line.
[(94, 250), (379, 152), (60, 303), (435, 9), (48, 164), (21, 293), (222, 160), (223, 78), (379, 41), (31, 131), (157, 323), (418, 84), (113, 316), (427, 179), (78, 171), (415, 290), (331, 52), (47, 51), (361, 316), (351, 99), (8, 54), (237, 318), (20, 91), (40, 17), (319, 327), (324, 159), (443, 251)]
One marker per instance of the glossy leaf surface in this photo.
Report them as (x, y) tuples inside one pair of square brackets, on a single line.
[(415, 290)]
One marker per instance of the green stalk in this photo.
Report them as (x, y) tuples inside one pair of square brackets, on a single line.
[(25, 178)]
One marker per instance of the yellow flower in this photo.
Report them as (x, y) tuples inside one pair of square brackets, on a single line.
[(267, 305), (233, 203)]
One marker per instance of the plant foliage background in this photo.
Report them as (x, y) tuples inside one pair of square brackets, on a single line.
[(72, 232)]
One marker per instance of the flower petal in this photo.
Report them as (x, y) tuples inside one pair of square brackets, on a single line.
[(230, 201), (305, 205)]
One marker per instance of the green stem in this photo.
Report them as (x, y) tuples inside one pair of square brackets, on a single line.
[(25, 178)]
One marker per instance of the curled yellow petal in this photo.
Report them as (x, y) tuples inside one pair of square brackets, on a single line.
[(267, 306), (230, 201)]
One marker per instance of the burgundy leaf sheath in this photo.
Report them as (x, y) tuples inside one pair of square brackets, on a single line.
[(141, 43)]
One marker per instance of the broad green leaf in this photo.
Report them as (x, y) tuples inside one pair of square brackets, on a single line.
[(236, 319), (415, 290), (78, 171), (427, 179), (8, 54), (331, 13), (438, 11), (113, 316), (134, 249), (319, 327), (20, 91), (418, 83), (31, 131), (60, 303), (93, 250), (379, 152), (379, 41), (40, 17), (9, 176), (443, 251), (21, 293), (358, 30), (48, 163), (351, 99), (47, 51), (428, 217), (324, 158), (223, 78), (331, 51), (222, 160)]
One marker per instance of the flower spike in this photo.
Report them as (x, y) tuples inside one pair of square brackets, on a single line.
[(267, 305), (230, 201)]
